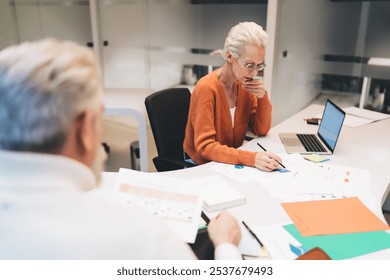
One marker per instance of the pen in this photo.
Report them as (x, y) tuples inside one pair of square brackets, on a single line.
[(275, 159), (253, 234), (205, 218)]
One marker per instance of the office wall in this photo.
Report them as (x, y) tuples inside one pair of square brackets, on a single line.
[(124, 25), (306, 31), (34, 19), (148, 42), (184, 34), (216, 21), (151, 41)]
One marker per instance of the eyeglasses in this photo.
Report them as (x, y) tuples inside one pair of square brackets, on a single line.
[(251, 66)]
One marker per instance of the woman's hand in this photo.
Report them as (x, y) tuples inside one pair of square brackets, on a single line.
[(267, 161), (255, 87)]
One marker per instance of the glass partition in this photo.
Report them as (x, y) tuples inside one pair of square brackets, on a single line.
[(326, 48), (369, 60)]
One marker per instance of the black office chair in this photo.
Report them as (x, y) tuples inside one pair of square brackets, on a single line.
[(168, 112)]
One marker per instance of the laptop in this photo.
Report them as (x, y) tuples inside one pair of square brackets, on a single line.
[(324, 142)]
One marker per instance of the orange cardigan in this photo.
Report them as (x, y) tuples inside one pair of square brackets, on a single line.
[(209, 133)]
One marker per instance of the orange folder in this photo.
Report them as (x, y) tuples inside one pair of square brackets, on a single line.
[(335, 216)]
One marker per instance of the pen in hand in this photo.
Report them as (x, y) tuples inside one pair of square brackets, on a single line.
[(258, 144), (252, 233)]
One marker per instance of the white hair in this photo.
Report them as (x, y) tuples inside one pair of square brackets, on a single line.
[(242, 34), (44, 86)]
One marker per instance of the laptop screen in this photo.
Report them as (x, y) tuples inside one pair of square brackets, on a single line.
[(331, 123)]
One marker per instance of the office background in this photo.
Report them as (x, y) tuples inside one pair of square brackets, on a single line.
[(317, 48)]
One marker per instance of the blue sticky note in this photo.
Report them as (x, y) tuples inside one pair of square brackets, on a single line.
[(281, 170), (297, 250)]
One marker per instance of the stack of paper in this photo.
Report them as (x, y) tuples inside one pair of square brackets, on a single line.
[(344, 228), (220, 195)]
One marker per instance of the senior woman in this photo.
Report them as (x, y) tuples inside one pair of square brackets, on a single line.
[(228, 100)]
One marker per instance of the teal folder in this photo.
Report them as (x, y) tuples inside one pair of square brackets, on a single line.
[(344, 246)]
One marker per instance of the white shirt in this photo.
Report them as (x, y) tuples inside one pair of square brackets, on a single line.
[(46, 214), (232, 112)]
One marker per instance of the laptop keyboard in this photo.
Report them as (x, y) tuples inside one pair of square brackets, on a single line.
[(311, 143)]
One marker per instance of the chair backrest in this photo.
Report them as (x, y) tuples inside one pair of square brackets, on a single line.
[(168, 112)]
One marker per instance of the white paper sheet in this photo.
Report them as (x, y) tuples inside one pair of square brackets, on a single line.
[(366, 114), (176, 201), (277, 241), (238, 173), (354, 121), (249, 246), (304, 178)]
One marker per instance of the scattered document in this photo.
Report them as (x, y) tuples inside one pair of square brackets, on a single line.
[(249, 246), (335, 216), (344, 246), (177, 201), (315, 179), (366, 114), (240, 173), (278, 242), (219, 194), (304, 177), (357, 116), (346, 181), (355, 121)]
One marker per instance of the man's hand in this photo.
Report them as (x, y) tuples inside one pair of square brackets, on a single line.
[(224, 229)]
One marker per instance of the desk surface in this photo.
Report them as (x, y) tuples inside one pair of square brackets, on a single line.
[(366, 147)]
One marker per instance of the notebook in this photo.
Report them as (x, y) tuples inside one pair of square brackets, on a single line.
[(324, 142)]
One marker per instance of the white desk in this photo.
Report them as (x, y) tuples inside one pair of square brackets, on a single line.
[(365, 147), (131, 102)]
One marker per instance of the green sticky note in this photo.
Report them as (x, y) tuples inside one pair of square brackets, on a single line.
[(315, 158), (344, 246)]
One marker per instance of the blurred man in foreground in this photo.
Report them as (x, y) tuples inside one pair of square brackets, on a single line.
[(50, 154)]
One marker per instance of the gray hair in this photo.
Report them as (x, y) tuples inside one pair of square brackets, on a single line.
[(242, 34), (44, 86)]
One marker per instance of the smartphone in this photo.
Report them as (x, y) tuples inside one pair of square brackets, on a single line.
[(312, 121), (257, 78)]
